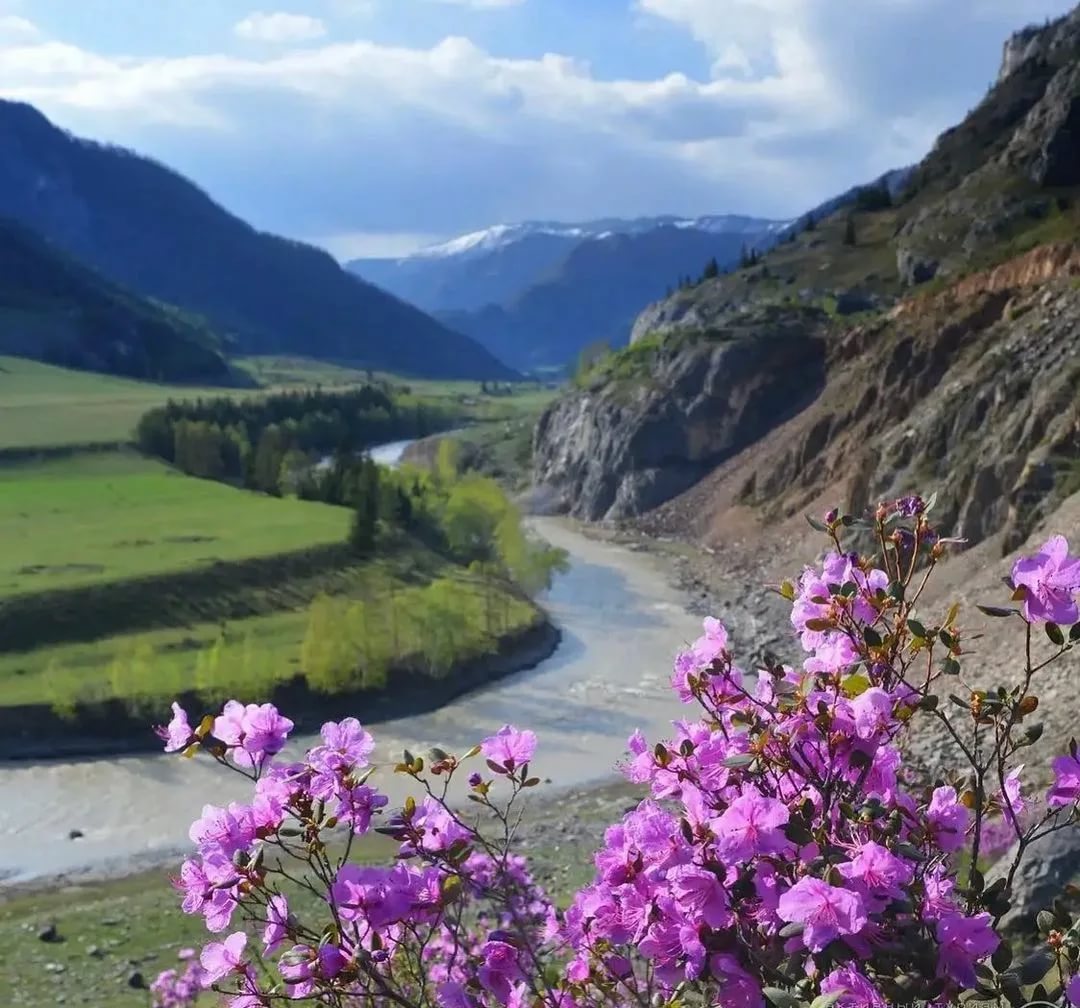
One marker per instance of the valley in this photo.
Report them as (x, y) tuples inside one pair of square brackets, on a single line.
[(501, 479)]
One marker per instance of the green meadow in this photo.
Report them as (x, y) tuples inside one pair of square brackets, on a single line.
[(94, 518)]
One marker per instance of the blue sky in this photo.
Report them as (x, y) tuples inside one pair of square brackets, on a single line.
[(371, 126)]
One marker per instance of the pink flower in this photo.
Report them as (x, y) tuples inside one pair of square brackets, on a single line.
[(873, 710), (277, 923), (509, 748), (345, 746), (499, 969), (947, 819), (858, 992), (826, 911), (962, 942), (751, 825), (738, 989), (177, 734), (1010, 796), (1066, 788), (700, 895), (221, 958), (265, 732), (712, 644), (1050, 580), (879, 872), (451, 994)]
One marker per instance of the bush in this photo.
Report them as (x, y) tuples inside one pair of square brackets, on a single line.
[(786, 854)]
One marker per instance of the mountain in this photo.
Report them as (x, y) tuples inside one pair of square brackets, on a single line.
[(149, 229), (923, 342), (537, 293), (56, 309), (497, 264)]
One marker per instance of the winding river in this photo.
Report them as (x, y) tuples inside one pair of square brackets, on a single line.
[(621, 623)]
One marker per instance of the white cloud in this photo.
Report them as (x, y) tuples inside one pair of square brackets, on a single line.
[(278, 27), (364, 138), (16, 29)]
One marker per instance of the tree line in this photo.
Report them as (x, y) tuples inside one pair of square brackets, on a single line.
[(268, 443)]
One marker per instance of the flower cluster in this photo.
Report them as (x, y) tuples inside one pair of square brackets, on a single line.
[(787, 852)]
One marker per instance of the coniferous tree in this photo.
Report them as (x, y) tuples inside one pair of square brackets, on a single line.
[(365, 508), (712, 270)]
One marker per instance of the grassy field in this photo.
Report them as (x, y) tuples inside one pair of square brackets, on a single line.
[(377, 621), (43, 406), (102, 517)]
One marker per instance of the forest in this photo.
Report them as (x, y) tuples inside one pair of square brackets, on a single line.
[(270, 443)]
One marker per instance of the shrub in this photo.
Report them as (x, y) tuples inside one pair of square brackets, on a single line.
[(786, 853)]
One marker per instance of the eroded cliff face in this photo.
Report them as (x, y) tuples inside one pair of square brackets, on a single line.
[(973, 392), (620, 446)]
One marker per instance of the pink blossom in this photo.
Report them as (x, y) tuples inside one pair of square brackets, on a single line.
[(277, 922), (509, 748), (858, 992), (1010, 796), (879, 872), (221, 958), (700, 895), (826, 911), (265, 732), (177, 734), (345, 746), (873, 710), (962, 942), (738, 989), (947, 819), (1050, 579), (1066, 787), (751, 825), (500, 967)]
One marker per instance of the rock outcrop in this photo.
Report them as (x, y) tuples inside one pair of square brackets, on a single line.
[(623, 445)]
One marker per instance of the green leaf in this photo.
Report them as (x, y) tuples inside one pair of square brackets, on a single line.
[(828, 1000), (1035, 966), (872, 637), (918, 629), (929, 502), (1053, 631), (1074, 632), (792, 930), (896, 590), (816, 525), (996, 611), (1001, 960), (741, 760), (950, 666), (782, 998), (819, 624)]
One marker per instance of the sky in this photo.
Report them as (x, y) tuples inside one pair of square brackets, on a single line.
[(372, 127)]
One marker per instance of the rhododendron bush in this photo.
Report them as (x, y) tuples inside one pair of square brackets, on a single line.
[(789, 853)]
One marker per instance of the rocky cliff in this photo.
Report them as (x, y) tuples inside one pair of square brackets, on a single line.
[(671, 411), (882, 381)]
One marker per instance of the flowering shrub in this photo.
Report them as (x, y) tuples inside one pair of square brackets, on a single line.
[(786, 853)]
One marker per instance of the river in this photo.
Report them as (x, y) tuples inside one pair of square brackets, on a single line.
[(621, 623)]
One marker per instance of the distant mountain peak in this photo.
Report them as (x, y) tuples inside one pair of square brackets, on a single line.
[(499, 236)]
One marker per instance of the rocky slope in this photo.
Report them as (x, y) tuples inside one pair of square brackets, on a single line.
[(669, 412), (882, 381)]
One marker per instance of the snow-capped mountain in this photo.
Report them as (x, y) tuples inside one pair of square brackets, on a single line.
[(500, 236), (537, 292)]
